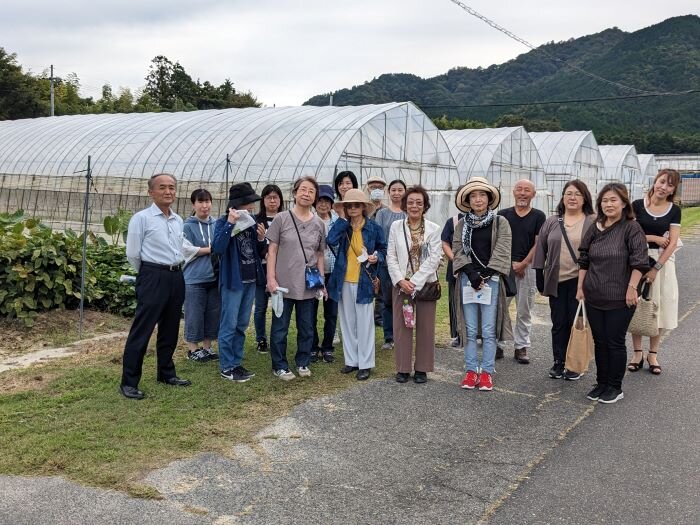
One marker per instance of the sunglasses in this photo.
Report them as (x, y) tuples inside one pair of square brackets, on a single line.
[(352, 205)]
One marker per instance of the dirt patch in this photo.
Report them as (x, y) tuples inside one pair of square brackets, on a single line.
[(54, 329)]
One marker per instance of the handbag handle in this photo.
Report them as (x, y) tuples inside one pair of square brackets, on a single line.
[(582, 309)]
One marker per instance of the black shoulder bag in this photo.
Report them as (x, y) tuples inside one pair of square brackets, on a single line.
[(312, 277), (509, 282), (566, 240), (431, 290)]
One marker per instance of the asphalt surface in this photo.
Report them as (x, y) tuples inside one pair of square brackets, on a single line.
[(534, 450)]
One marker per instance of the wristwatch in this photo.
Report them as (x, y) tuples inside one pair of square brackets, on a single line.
[(658, 266)]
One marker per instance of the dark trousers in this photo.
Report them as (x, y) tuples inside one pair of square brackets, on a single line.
[(160, 294), (260, 312), (388, 303), (330, 320), (563, 310), (609, 329), (454, 326), (280, 329)]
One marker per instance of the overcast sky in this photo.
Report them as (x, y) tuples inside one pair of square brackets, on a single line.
[(286, 51)]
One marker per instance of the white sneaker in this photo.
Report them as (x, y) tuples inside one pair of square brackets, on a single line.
[(336, 339), (284, 375), (304, 371)]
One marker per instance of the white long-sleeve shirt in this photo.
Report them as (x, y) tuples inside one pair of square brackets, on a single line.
[(154, 238)]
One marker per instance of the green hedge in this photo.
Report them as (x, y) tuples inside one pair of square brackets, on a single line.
[(40, 271)]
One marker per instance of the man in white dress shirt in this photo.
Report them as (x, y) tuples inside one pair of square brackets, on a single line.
[(154, 249)]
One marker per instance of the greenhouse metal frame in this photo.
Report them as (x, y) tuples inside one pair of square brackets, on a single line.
[(43, 161), (568, 155), (649, 169), (503, 156), (622, 165)]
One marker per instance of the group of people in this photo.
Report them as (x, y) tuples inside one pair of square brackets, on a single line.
[(367, 262)]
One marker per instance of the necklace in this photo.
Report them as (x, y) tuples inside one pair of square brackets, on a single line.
[(420, 226)]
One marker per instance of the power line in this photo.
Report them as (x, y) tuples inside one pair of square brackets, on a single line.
[(565, 101), (547, 53)]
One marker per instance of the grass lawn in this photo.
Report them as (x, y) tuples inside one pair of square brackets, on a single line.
[(690, 218), (66, 417)]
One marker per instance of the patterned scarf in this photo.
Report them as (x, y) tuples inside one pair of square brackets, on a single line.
[(474, 222)]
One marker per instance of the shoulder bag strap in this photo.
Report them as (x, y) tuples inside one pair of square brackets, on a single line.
[(566, 239), (408, 249), (306, 261)]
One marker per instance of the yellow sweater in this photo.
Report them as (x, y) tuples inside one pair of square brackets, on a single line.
[(352, 274)]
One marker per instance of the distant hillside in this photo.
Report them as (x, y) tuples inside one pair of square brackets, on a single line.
[(664, 57)]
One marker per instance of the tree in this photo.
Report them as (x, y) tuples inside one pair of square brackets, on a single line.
[(20, 93)]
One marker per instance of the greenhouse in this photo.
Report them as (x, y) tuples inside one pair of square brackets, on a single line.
[(568, 155), (649, 169), (622, 165), (503, 156), (43, 161)]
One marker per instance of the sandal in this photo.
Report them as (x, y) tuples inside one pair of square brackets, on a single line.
[(632, 366), (654, 369)]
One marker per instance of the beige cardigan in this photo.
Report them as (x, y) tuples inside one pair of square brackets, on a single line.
[(499, 261), (397, 254)]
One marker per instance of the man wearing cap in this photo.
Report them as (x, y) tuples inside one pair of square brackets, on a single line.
[(525, 223), (241, 243), (154, 249), (375, 189)]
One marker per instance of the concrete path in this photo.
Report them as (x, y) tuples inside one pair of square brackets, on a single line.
[(533, 451)]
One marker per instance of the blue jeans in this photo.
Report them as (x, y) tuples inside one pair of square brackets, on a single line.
[(260, 313), (387, 298), (202, 312), (280, 329), (235, 317), (489, 313)]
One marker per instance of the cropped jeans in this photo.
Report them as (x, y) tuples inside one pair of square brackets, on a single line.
[(489, 313)]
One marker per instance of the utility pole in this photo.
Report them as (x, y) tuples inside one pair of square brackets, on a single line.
[(330, 102), (51, 79)]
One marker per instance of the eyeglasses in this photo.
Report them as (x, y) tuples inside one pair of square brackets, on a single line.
[(351, 205), (570, 194), (415, 203)]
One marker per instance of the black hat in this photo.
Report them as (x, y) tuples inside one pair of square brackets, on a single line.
[(241, 194)]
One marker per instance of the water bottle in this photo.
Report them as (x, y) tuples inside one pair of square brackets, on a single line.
[(408, 318)]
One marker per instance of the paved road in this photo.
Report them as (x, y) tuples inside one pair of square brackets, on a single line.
[(533, 451)]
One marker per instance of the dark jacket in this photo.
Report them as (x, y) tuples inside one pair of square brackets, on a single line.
[(227, 247), (373, 239)]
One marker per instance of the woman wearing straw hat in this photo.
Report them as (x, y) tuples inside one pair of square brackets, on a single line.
[(481, 247), (361, 246)]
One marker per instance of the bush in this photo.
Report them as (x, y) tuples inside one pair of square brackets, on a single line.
[(107, 264)]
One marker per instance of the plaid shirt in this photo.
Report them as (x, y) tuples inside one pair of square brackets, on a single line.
[(329, 258)]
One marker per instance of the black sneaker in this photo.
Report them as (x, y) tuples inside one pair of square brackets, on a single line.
[(595, 394), (262, 347), (200, 355), (611, 395), (572, 376), (237, 374), (557, 370), (316, 357), (328, 357), (211, 355), (499, 352)]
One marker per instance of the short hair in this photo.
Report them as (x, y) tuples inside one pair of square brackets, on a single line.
[(340, 176), (583, 190), (306, 178), (273, 188), (396, 181), (200, 195), (621, 191), (416, 189), (672, 176), (151, 181)]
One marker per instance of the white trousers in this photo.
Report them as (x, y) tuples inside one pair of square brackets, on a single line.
[(524, 301), (357, 325)]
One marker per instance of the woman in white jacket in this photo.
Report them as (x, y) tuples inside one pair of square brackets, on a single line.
[(413, 257)]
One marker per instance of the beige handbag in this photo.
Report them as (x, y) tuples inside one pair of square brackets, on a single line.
[(645, 320), (579, 351)]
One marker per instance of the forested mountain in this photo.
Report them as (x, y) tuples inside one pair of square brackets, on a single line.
[(663, 57)]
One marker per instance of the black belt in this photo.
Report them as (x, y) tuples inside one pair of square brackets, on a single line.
[(169, 267)]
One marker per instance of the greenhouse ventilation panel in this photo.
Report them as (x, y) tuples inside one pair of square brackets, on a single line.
[(43, 160), (622, 165), (568, 155), (503, 156)]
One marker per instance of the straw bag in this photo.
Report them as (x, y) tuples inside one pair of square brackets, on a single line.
[(579, 351), (645, 320)]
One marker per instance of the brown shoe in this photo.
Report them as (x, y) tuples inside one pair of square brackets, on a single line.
[(521, 356)]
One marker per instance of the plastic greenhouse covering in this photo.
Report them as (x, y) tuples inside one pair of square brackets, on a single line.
[(568, 155), (43, 161), (503, 156), (622, 165), (649, 168)]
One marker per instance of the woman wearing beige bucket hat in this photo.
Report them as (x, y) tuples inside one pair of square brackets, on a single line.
[(481, 247), (361, 245)]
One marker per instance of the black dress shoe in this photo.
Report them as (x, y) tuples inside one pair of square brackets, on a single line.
[(348, 369), (420, 377), (175, 381), (131, 392), (402, 377), (363, 374)]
